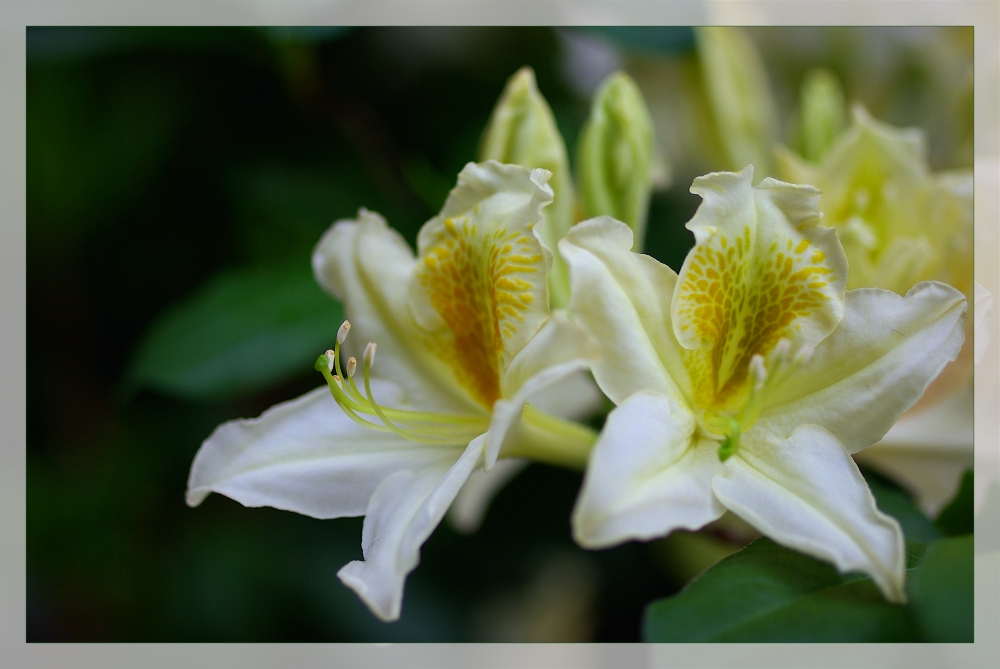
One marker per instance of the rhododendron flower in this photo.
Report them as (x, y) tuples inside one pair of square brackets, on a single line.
[(462, 340), (748, 380)]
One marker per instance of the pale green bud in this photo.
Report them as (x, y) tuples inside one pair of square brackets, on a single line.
[(823, 112), (522, 131), (740, 97), (615, 155)]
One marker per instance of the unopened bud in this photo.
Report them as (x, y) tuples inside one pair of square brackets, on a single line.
[(342, 332), (615, 155)]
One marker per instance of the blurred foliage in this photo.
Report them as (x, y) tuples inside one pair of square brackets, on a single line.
[(178, 179), (956, 519), (241, 333), (769, 593)]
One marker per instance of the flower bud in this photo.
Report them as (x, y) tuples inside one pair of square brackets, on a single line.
[(740, 96), (615, 155), (522, 131), (823, 111)]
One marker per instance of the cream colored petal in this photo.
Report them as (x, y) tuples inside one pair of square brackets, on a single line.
[(480, 290), (623, 299), (574, 397), (469, 508), (648, 475), (368, 266), (762, 270), (560, 349), (806, 493), (558, 342), (522, 131), (305, 456), (403, 512), (873, 367)]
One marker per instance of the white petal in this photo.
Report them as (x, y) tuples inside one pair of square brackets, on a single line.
[(623, 299), (402, 514), (368, 266), (469, 508), (646, 476), (927, 451), (983, 309), (575, 397), (483, 270), (560, 349), (806, 493), (557, 342), (873, 367), (305, 456)]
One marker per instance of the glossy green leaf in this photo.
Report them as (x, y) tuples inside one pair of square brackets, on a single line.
[(956, 519), (942, 591), (767, 592), (243, 331)]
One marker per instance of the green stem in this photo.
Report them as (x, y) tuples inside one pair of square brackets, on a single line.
[(545, 438)]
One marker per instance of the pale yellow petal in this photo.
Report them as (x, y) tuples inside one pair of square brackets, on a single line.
[(480, 289)]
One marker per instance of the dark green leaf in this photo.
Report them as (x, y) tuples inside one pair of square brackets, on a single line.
[(243, 331), (769, 593), (898, 503), (941, 592), (956, 518)]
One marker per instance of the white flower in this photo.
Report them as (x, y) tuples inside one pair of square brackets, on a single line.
[(746, 382), (464, 340)]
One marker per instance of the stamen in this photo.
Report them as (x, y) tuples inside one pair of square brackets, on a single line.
[(766, 376), (342, 332), (423, 427), (758, 372)]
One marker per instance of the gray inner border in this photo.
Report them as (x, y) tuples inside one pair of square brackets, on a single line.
[(984, 15)]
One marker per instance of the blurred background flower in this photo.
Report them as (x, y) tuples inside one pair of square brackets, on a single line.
[(178, 179)]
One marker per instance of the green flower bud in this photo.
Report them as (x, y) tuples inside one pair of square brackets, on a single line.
[(823, 113), (522, 131), (615, 155), (740, 97)]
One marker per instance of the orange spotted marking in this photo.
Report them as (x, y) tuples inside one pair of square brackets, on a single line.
[(476, 284)]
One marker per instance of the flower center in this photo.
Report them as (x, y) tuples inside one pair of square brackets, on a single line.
[(476, 283), (420, 426), (765, 375), (734, 302)]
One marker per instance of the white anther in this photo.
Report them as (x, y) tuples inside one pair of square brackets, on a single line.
[(352, 364), (781, 349), (340, 384), (803, 356), (370, 354), (342, 332), (758, 371), (330, 359)]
